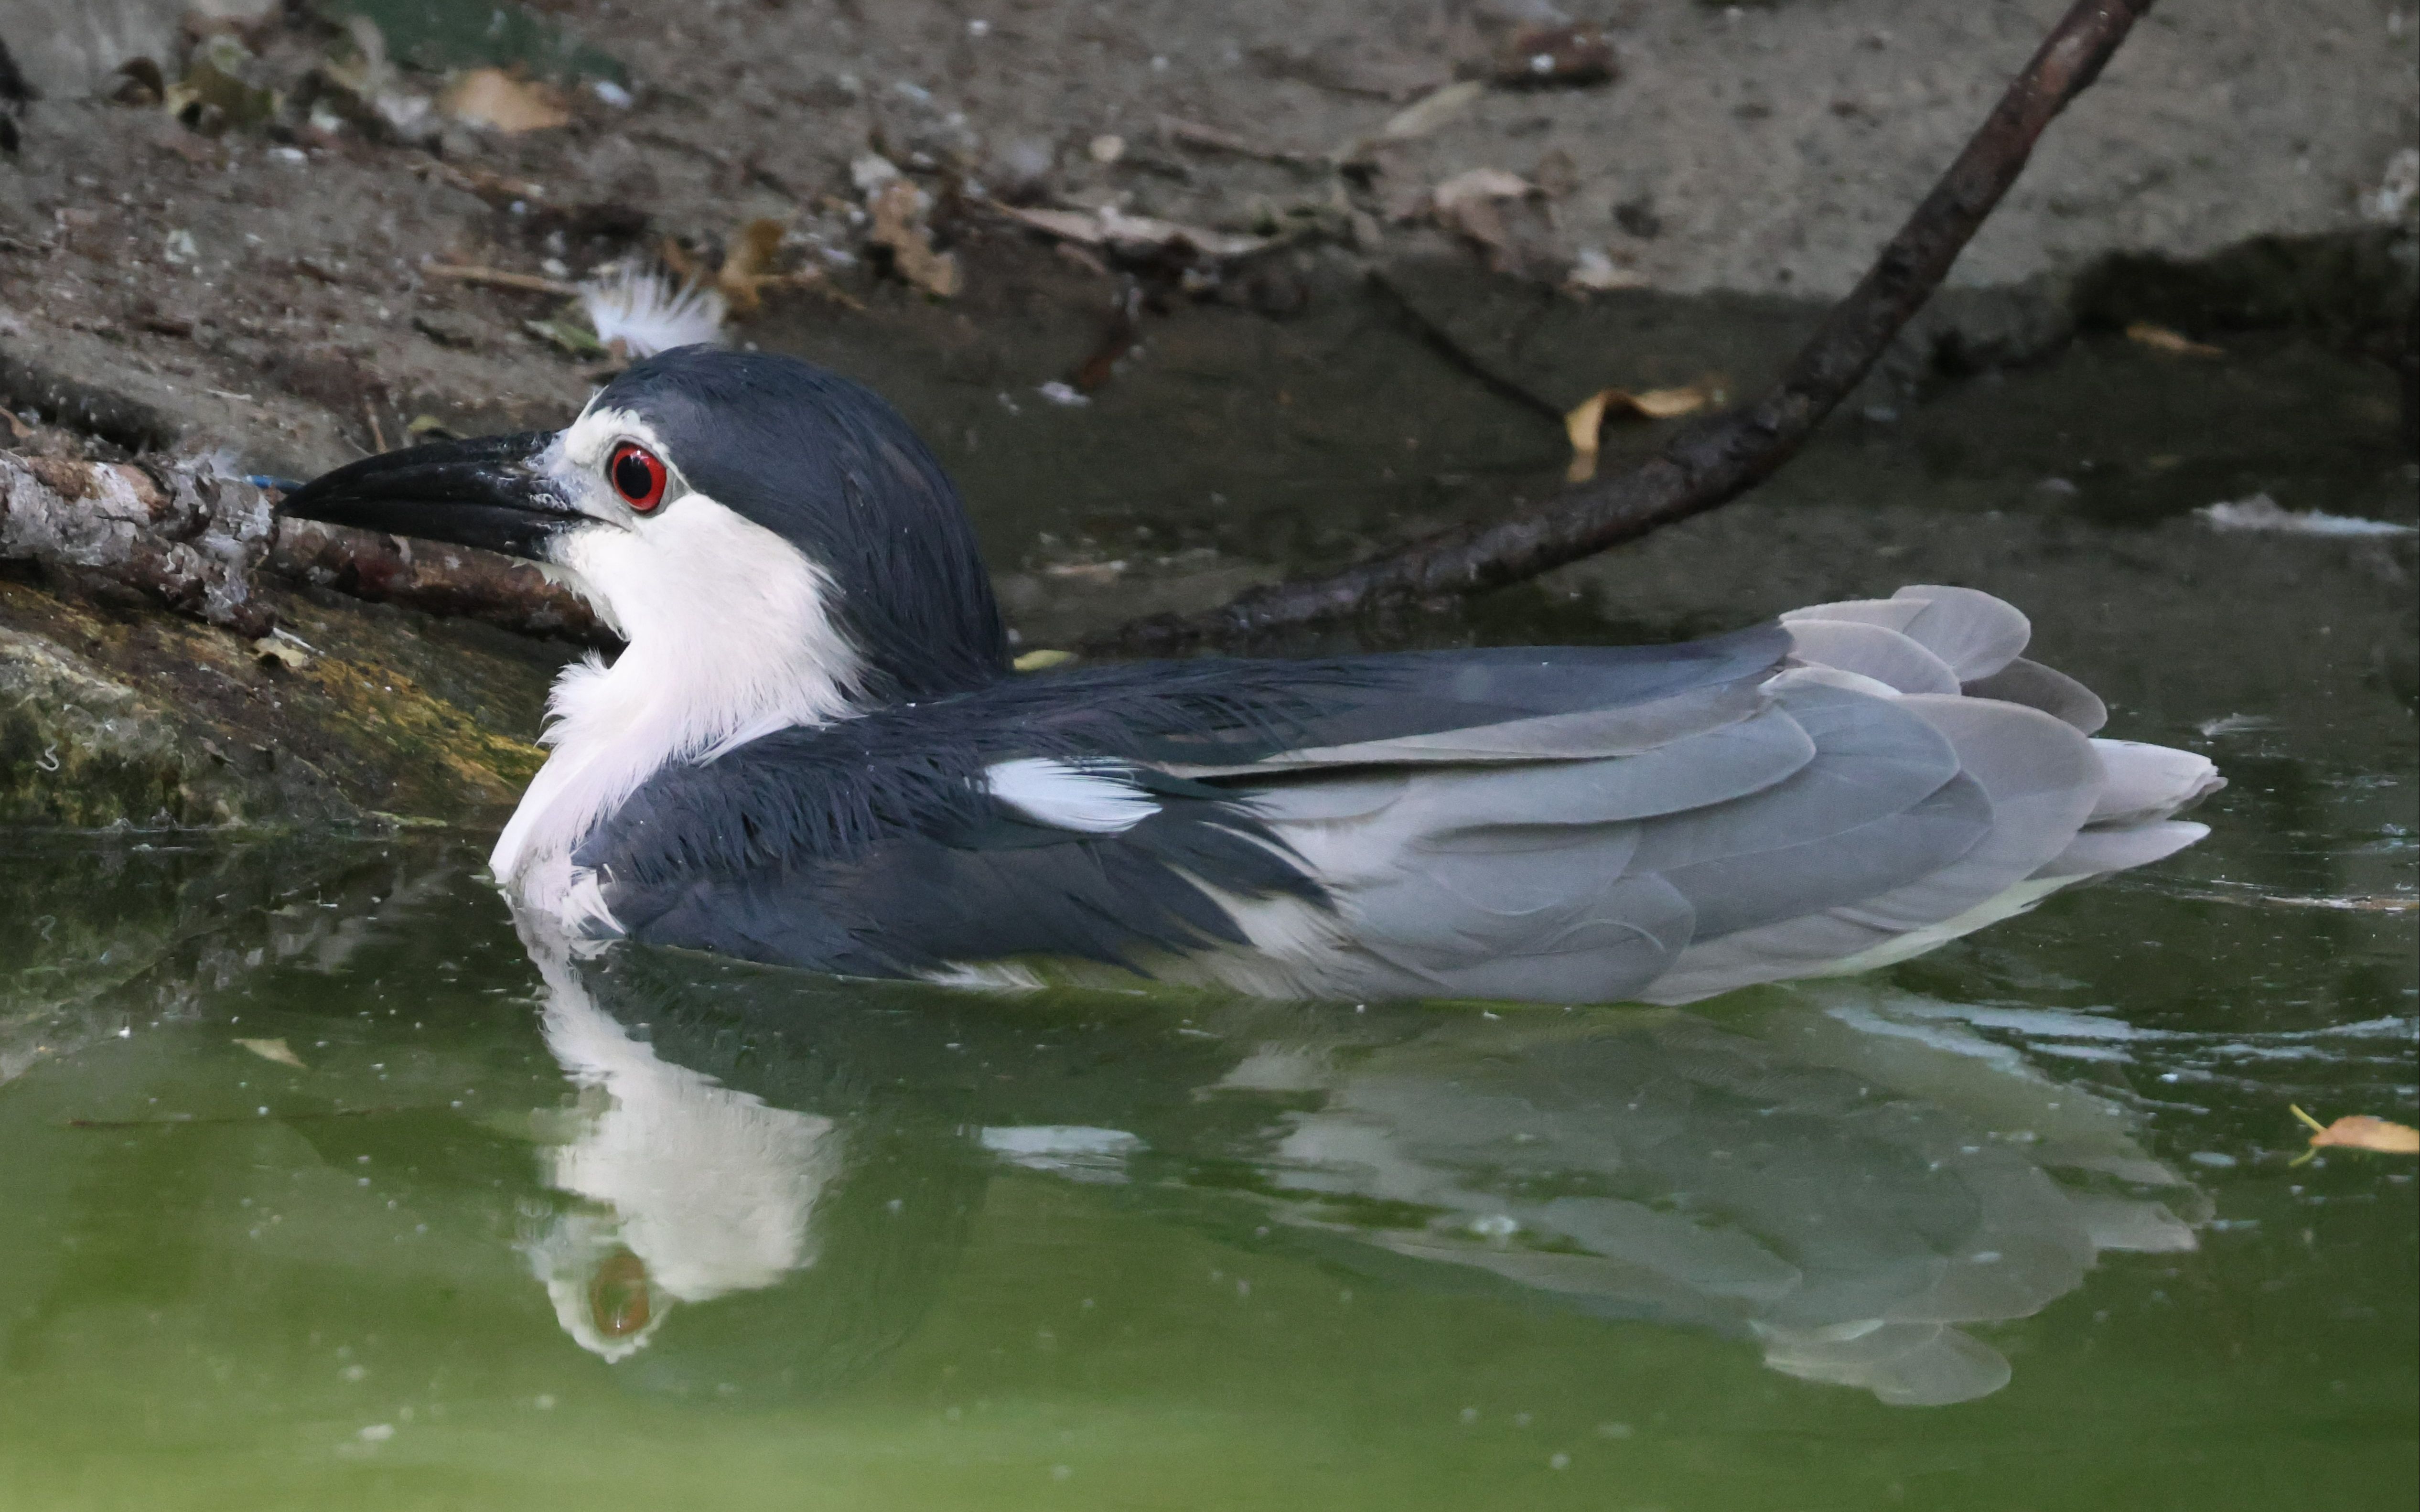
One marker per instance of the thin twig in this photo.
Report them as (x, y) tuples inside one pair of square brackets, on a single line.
[(501, 278), (1441, 341), (1715, 461), (1209, 138)]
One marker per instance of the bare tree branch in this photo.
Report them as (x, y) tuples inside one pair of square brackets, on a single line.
[(195, 541), (1714, 461), (178, 536)]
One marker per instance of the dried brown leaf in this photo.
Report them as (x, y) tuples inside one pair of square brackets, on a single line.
[(898, 213), (2176, 344), (1472, 204), (748, 267), (496, 99), (677, 260)]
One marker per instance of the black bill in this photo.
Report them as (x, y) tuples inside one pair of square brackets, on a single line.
[(484, 492)]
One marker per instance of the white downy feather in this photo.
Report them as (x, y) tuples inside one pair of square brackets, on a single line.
[(648, 312)]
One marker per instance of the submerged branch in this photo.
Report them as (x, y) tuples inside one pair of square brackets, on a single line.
[(1712, 461)]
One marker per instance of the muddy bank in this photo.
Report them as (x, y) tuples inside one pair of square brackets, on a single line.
[(218, 229)]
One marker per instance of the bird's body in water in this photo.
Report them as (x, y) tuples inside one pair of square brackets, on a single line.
[(813, 752)]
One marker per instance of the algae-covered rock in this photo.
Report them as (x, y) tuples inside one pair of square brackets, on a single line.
[(353, 716), (80, 749)]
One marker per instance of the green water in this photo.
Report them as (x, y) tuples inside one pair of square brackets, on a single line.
[(2014, 1226), (1108, 1252)]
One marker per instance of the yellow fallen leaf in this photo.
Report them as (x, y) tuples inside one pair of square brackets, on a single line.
[(494, 99), (274, 1049), (2361, 1132), (1034, 661), (1585, 422), (2160, 339)]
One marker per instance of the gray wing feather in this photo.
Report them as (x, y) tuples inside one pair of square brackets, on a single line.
[(1890, 613), (1838, 869), (1583, 736), (2099, 851), (1325, 796), (1608, 945), (1534, 880), (2148, 783), (1873, 760), (2046, 688), (1974, 633), (1889, 657), (1879, 803), (1773, 952), (1515, 879), (1702, 769), (2042, 777)]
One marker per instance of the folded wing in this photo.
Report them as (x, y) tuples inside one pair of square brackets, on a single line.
[(1859, 782)]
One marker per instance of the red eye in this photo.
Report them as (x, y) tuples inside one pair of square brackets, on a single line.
[(637, 476)]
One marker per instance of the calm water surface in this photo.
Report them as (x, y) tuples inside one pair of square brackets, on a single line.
[(320, 1188)]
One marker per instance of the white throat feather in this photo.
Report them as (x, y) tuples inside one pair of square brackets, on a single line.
[(730, 636)]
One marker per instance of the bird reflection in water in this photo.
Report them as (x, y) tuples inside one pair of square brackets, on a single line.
[(688, 1189), (1846, 1187), (1848, 1176)]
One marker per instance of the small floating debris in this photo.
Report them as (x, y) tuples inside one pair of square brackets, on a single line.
[(276, 1050), (2263, 514)]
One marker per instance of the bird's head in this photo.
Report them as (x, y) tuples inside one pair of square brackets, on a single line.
[(721, 497)]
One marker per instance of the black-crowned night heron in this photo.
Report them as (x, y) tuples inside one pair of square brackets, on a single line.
[(813, 751)]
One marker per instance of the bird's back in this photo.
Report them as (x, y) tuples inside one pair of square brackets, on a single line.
[(1852, 786)]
